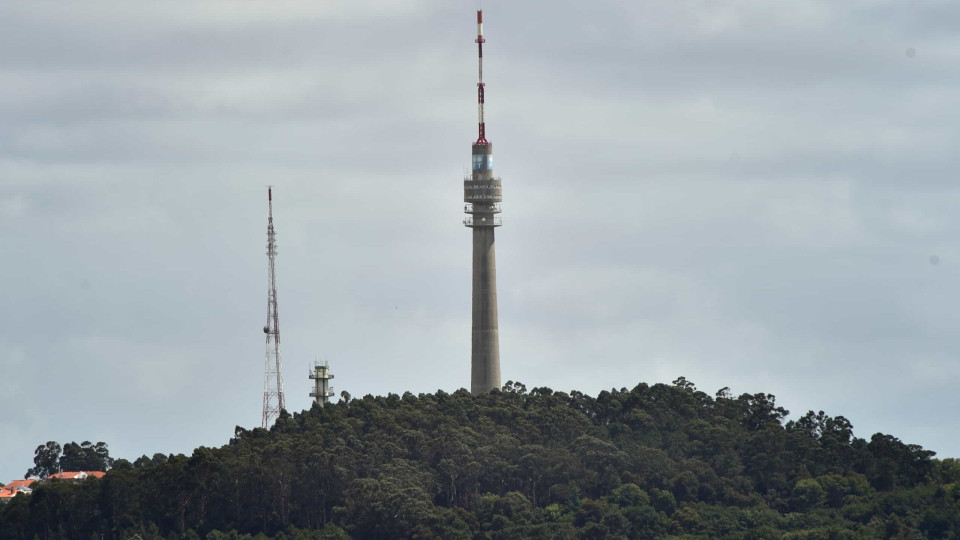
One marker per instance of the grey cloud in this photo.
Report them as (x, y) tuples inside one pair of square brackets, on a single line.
[(746, 194)]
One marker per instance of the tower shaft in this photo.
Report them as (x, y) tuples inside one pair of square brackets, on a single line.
[(273, 401), (483, 193), (485, 338)]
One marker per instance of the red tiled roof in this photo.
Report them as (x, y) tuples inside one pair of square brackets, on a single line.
[(70, 475), (6, 493), (18, 483)]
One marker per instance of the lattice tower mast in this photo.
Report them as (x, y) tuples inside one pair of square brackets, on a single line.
[(272, 377), (483, 193)]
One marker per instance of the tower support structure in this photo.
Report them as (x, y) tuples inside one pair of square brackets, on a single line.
[(483, 193), (321, 376), (273, 401)]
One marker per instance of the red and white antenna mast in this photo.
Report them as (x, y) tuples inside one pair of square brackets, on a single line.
[(272, 377), (482, 139)]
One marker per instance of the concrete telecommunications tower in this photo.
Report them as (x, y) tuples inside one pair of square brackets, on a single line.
[(483, 193), (272, 377)]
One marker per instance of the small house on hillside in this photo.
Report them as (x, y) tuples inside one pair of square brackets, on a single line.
[(76, 476), (22, 486), (10, 490)]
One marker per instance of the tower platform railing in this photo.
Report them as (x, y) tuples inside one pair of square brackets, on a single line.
[(494, 208), (474, 221)]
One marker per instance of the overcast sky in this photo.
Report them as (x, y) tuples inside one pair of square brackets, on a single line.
[(753, 194)]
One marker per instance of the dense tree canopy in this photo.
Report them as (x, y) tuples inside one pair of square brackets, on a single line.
[(661, 461), (46, 461), (51, 458)]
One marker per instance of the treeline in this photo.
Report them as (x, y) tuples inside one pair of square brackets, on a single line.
[(652, 462), (52, 458)]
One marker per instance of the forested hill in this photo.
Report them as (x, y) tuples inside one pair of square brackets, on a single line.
[(652, 462)]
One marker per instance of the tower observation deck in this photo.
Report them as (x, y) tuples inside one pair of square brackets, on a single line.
[(482, 193)]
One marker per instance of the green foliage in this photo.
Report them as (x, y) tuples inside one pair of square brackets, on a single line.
[(661, 461), (807, 494), (85, 456), (46, 461), (51, 458)]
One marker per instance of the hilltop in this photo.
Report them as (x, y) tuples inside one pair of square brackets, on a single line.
[(652, 462)]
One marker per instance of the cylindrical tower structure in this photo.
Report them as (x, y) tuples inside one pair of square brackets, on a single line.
[(322, 391), (483, 194)]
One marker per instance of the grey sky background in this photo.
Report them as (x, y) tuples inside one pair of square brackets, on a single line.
[(758, 195)]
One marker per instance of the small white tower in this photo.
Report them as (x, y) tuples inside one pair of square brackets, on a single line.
[(321, 376)]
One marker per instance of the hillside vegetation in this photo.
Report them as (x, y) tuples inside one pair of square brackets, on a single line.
[(661, 461)]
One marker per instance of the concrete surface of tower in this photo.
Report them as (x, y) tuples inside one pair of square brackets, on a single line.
[(273, 401), (483, 194), (322, 391)]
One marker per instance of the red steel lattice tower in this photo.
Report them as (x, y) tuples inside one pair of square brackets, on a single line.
[(482, 193), (272, 375)]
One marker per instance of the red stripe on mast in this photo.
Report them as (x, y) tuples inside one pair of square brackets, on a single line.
[(482, 139)]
